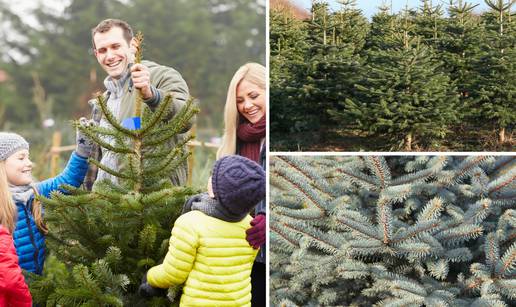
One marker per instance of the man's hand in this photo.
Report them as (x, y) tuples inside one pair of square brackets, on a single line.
[(140, 75)]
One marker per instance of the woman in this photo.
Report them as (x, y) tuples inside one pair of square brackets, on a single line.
[(244, 134)]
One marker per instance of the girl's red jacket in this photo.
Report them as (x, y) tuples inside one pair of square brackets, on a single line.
[(13, 289)]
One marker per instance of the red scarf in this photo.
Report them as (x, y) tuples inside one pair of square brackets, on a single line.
[(249, 138)]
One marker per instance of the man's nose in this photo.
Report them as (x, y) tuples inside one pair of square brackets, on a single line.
[(109, 54)]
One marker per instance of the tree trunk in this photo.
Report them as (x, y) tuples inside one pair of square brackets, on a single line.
[(501, 135), (408, 142)]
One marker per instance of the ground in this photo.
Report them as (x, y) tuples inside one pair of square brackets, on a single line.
[(461, 138)]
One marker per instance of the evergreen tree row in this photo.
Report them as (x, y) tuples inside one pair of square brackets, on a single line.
[(410, 77), (393, 231)]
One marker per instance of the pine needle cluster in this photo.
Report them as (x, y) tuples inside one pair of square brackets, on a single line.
[(393, 231)]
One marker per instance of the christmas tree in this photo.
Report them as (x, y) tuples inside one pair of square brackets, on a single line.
[(109, 237), (429, 23), (287, 48), (314, 64), (382, 30), (393, 231), (403, 96), (460, 47), (332, 65), (495, 69), (351, 26)]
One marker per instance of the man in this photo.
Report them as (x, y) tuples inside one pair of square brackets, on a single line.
[(115, 47)]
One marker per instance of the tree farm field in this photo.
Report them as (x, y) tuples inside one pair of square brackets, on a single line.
[(432, 77)]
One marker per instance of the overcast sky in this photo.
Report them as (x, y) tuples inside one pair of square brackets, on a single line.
[(369, 7), (24, 7)]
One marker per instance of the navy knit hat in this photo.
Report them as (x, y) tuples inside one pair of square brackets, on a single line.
[(11, 143), (238, 184)]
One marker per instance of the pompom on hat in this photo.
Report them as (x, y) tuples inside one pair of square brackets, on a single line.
[(11, 143)]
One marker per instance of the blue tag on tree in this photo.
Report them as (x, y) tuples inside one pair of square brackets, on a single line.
[(132, 123)]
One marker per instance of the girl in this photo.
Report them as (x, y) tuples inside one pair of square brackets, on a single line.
[(208, 251), (13, 289), (244, 134), (16, 169)]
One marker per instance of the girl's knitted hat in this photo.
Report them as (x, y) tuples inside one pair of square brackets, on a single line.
[(238, 184), (11, 143)]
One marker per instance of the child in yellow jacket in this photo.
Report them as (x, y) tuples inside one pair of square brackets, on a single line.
[(208, 250)]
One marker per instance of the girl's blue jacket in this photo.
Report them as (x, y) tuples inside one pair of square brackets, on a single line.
[(28, 240)]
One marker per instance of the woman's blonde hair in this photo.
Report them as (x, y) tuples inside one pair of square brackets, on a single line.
[(7, 208), (8, 214), (251, 72)]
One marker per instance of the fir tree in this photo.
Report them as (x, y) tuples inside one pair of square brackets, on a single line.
[(110, 236), (404, 96), (351, 26), (429, 23), (287, 48), (333, 63), (393, 231), (495, 68), (318, 73), (382, 30), (286, 35), (459, 46)]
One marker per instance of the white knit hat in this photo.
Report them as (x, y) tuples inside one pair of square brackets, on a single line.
[(11, 143)]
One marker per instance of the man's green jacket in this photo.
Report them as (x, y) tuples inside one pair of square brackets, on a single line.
[(164, 80)]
